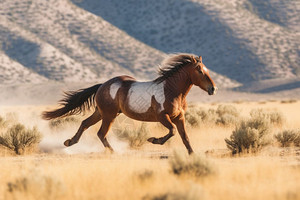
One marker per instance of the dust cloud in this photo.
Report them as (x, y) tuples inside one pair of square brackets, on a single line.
[(53, 138)]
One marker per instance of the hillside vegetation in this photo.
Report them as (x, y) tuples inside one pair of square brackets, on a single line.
[(93, 40)]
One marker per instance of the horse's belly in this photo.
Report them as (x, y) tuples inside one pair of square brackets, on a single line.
[(140, 96), (147, 117)]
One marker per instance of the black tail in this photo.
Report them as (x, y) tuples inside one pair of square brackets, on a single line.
[(74, 102)]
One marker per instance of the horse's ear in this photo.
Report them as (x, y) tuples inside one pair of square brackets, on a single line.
[(194, 59), (200, 58)]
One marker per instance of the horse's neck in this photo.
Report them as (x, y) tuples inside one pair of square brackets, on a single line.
[(179, 85)]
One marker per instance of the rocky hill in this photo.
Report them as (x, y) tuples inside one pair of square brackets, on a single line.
[(69, 41)]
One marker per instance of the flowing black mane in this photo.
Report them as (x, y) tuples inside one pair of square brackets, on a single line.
[(173, 64)]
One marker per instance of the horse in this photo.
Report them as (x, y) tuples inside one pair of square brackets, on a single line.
[(161, 100)]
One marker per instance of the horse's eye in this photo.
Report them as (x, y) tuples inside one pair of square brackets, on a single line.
[(200, 70)]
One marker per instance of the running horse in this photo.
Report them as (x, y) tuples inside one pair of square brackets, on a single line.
[(161, 100)]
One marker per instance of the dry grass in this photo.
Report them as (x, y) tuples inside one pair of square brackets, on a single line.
[(143, 174), (287, 138)]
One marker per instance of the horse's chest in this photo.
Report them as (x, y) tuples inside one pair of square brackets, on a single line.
[(140, 96)]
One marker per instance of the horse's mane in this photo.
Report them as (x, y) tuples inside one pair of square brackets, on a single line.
[(173, 64)]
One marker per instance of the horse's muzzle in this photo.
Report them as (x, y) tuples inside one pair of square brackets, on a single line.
[(212, 90)]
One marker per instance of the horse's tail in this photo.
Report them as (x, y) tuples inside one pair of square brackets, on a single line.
[(74, 102)]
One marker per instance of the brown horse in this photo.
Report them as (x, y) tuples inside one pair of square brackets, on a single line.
[(161, 100)]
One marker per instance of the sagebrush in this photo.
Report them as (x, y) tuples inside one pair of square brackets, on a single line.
[(194, 165), (249, 136), (194, 116), (227, 115), (274, 117), (224, 115), (135, 136), (18, 137), (288, 138)]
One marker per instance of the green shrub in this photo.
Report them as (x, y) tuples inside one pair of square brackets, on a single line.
[(17, 138), (249, 136), (193, 165), (135, 136), (288, 137)]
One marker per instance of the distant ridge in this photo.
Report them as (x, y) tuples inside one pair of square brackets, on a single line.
[(93, 40)]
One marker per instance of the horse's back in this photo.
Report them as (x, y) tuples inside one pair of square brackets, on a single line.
[(108, 94)]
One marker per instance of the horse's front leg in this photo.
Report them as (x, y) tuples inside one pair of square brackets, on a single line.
[(180, 124), (165, 120)]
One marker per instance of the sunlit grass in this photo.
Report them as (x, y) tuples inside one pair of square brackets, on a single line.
[(148, 172)]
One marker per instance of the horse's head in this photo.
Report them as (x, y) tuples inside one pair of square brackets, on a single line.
[(200, 76)]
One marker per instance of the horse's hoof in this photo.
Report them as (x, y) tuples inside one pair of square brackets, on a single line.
[(154, 140), (109, 151), (151, 139), (67, 143)]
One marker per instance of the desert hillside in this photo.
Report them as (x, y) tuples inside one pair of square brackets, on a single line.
[(87, 41)]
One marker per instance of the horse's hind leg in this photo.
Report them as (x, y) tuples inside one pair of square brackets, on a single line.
[(85, 124), (165, 120), (106, 124)]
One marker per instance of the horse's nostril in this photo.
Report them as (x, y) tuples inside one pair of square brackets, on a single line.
[(213, 90)]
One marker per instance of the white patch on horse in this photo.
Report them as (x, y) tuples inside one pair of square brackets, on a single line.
[(140, 95), (114, 89), (205, 69)]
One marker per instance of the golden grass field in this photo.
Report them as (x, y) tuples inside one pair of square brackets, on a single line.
[(86, 171)]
